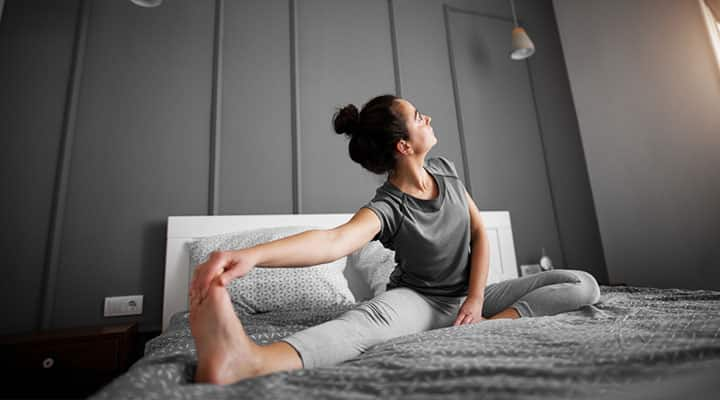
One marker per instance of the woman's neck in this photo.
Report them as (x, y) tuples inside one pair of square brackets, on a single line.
[(410, 177)]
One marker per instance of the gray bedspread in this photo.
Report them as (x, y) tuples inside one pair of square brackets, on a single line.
[(633, 341)]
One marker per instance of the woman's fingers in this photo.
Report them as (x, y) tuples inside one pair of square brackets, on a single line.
[(201, 280), (460, 319), (226, 276), (193, 283), (457, 320), (221, 266), (463, 318), (194, 301)]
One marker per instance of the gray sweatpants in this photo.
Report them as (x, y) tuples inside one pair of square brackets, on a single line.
[(403, 311)]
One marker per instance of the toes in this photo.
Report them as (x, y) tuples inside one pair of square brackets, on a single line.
[(194, 300)]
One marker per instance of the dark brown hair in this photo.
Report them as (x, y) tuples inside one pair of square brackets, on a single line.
[(373, 132)]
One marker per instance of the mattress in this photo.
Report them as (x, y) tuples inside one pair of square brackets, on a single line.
[(635, 341)]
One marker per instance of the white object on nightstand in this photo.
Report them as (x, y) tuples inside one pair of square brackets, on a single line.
[(545, 262)]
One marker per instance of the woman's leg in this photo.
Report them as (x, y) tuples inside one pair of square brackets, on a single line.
[(397, 312), (225, 353), (509, 312), (545, 293)]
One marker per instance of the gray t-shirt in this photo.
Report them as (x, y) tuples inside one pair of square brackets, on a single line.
[(431, 238)]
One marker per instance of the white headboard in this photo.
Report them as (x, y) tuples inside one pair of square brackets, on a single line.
[(183, 229)]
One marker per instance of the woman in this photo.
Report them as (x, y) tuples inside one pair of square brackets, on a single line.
[(425, 214)]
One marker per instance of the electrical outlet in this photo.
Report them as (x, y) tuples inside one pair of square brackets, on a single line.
[(123, 305)]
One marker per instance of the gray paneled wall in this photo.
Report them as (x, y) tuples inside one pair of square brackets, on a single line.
[(38, 37), (345, 56), (140, 151), (563, 150), (225, 107), (500, 127), (256, 155), (651, 134)]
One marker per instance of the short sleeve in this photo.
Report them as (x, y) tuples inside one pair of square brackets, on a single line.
[(389, 219), (445, 167)]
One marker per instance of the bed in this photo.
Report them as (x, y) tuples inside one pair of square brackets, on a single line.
[(636, 342)]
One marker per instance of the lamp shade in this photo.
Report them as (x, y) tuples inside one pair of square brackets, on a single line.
[(147, 3), (522, 46)]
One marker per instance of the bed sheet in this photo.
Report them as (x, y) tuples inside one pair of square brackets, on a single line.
[(633, 341)]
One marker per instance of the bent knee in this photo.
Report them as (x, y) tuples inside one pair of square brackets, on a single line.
[(556, 276), (588, 288)]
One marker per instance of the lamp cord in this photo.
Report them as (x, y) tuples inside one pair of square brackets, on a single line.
[(512, 6)]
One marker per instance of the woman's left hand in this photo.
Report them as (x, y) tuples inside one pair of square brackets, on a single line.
[(470, 312)]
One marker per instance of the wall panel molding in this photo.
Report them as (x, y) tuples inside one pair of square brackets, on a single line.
[(456, 96), (63, 169), (393, 41), (295, 107), (216, 109)]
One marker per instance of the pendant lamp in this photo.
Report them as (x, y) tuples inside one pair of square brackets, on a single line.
[(522, 46)]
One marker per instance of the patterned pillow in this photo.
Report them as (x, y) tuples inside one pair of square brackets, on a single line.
[(268, 289), (375, 263)]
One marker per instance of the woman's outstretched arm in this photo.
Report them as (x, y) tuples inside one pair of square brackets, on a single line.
[(312, 247), (318, 246)]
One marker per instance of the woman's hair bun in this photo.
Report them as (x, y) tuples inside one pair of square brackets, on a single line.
[(346, 120)]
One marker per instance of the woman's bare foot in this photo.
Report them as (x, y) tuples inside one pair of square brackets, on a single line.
[(225, 353)]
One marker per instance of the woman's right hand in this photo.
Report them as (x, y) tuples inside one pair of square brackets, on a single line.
[(222, 265)]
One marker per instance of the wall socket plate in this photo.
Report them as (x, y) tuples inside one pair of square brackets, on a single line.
[(123, 305)]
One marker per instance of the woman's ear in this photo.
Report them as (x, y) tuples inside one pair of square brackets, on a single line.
[(403, 147), (399, 147)]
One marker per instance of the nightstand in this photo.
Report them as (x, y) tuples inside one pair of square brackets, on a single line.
[(67, 363)]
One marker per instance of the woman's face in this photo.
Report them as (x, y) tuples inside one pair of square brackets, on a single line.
[(421, 135)]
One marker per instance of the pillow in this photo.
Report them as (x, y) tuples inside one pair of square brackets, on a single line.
[(375, 263), (274, 288)]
